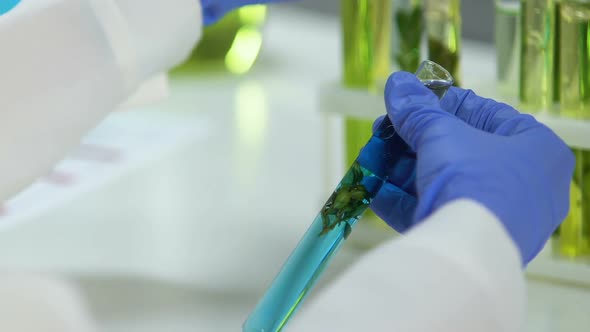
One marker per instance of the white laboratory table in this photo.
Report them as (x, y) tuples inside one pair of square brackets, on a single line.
[(175, 216)]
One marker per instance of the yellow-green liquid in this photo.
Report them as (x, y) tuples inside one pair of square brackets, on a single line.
[(366, 28), (573, 238), (536, 50), (230, 45), (443, 23), (556, 53), (574, 56), (366, 36)]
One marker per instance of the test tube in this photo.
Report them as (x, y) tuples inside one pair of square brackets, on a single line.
[(443, 23), (366, 40), (573, 235), (335, 222), (537, 19), (507, 40), (366, 37), (556, 53), (408, 34), (574, 58)]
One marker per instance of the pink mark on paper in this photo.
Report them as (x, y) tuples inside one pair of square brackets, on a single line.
[(98, 153), (60, 178)]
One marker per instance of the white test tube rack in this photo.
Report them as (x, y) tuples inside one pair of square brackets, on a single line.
[(478, 63)]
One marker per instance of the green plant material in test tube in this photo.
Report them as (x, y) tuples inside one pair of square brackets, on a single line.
[(574, 55), (573, 236), (536, 61), (366, 29), (347, 202), (507, 40), (356, 134), (409, 28), (443, 22)]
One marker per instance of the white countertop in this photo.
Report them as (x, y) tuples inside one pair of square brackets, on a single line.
[(126, 305), (174, 217)]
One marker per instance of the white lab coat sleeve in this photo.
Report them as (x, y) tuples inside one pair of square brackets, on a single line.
[(458, 271), (65, 64), (36, 303)]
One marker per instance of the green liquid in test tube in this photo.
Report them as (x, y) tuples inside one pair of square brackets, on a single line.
[(537, 36), (336, 220), (443, 26), (574, 59), (573, 236), (408, 34), (507, 41), (366, 40)]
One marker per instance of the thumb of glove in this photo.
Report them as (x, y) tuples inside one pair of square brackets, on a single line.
[(415, 110)]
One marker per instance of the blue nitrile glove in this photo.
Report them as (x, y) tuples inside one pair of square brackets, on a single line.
[(475, 148), (214, 10)]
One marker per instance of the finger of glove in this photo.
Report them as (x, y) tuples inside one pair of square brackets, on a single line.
[(486, 114), (414, 110), (403, 173), (395, 207)]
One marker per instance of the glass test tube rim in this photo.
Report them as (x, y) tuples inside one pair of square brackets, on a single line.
[(423, 66)]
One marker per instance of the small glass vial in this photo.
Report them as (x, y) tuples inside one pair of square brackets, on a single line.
[(443, 24), (537, 19), (507, 40), (408, 28), (574, 58)]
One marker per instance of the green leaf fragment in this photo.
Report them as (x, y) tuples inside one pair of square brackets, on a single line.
[(346, 203)]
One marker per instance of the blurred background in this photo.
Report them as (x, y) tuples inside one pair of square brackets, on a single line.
[(478, 24), (178, 210)]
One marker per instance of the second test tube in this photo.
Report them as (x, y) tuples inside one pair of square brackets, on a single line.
[(366, 39)]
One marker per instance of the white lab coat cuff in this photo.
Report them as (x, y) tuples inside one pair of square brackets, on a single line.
[(458, 271)]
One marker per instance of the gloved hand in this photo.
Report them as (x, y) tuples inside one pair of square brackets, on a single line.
[(214, 10), (476, 148)]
